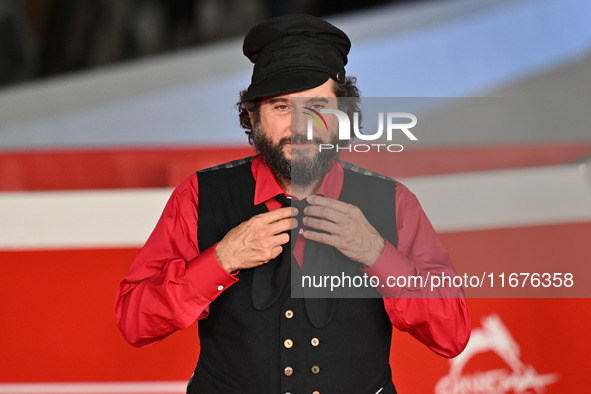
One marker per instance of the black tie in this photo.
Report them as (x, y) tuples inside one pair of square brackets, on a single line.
[(269, 279)]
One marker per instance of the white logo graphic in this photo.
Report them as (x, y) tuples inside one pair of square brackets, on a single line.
[(345, 125), (495, 337), (345, 130)]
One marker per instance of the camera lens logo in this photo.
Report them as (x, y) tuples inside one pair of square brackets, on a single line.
[(318, 115)]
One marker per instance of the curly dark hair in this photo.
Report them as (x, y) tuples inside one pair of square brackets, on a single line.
[(348, 88)]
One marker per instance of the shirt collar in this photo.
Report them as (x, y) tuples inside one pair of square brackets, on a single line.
[(267, 186)]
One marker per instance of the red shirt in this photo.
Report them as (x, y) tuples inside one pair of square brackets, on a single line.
[(171, 283)]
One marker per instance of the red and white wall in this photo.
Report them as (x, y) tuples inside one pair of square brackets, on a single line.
[(88, 161), (66, 242)]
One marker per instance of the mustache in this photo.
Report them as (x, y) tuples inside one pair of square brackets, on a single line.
[(298, 139)]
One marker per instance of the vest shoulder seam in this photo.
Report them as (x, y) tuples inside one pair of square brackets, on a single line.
[(230, 164)]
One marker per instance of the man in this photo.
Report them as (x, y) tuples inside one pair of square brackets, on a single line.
[(220, 250)]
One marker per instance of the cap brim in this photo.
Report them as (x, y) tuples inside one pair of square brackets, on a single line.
[(286, 82)]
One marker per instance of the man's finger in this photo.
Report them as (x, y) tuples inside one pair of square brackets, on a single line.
[(278, 214), (324, 238), (324, 212), (276, 251), (279, 239), (321, 224), (339, 206), (283, 225)]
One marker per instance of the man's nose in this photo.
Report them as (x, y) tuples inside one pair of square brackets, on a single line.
[(299, 124)]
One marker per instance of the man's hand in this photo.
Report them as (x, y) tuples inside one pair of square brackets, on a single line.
[(346, 229), (257, 240)]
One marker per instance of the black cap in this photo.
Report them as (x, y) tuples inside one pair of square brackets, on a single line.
[(292, 53)]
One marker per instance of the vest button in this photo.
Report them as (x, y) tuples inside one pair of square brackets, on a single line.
[(288, 343), (288, 371), (315, 341), (315, 369), (289, 314)]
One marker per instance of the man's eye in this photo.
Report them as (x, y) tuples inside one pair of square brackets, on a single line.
[(318, 106), (281, 107)]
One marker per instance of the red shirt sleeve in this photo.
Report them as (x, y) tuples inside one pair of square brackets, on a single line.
[(171, 282), (439, 318)]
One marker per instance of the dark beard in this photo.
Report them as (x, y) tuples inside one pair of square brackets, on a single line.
[(301, 171)]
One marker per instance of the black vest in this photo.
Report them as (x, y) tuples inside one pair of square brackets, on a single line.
[(278, 350)]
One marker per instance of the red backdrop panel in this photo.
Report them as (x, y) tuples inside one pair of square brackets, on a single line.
[(160, 167), (58, 322), (58, 325)]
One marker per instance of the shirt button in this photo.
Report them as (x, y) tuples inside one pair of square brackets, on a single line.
[(315, 341), (220, 287), (315, 369), (301, 231), (289, 314), (288, 343), (288, 371)]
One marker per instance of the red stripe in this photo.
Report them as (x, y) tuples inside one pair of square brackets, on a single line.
[(108, 168), (58, 323), (166, 167)]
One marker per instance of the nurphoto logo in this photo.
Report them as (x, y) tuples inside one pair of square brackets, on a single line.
[(392, 121)]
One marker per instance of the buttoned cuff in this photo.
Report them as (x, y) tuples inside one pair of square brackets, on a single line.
[(390, 262), (391, 265), (212, 277)]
